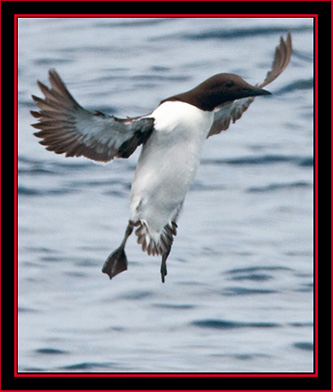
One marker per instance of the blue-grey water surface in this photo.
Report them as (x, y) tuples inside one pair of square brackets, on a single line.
[(239, 292)]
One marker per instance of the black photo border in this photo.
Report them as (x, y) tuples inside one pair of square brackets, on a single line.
[(320, 378)]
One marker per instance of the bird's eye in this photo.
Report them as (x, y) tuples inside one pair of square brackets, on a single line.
[(229, 84)]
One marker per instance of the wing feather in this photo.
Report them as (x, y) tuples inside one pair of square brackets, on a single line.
[(232, 111), (65, 127)]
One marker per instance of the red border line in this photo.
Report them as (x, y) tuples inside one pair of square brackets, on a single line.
[(15, 199), (166, 15), (315, 373), (316, 195)]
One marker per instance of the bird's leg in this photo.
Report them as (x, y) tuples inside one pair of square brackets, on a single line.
[(117, 261), (163, 265)]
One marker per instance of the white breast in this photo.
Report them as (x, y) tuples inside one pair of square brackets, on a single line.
[(168, 163)]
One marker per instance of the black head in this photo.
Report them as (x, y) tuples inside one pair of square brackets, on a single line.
[(217, 90)]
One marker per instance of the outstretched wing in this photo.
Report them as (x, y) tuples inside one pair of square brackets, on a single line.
[(232, 111), (65, 127)]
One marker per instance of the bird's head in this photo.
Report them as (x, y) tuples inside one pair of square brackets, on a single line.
[(225, 87), (217, 90)]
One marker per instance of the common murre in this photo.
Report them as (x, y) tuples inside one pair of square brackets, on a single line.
[(172, 137)]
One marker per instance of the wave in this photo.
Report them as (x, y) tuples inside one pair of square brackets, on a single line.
[(227, 324), (262, 160), (27, 191), (235, 33), (279, 186), (301, 84)]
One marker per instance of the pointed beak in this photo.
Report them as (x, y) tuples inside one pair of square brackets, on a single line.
[(253, 92)]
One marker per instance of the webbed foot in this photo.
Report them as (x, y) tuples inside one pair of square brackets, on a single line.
[(115, 263)]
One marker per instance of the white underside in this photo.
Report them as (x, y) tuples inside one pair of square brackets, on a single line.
[(167, 164)]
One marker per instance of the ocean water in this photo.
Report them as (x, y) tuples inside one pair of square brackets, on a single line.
[(239, 292)]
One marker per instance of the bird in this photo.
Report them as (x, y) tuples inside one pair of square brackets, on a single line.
[(172, 137)]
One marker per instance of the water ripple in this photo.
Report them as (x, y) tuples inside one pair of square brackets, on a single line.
[(227, 324), (302, 161), (87, 366), (50, 351), (235, 291), (308, 346), (231, 33), (279, 186), (301, 84)]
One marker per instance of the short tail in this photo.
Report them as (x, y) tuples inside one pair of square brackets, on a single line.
[(155, 244)]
